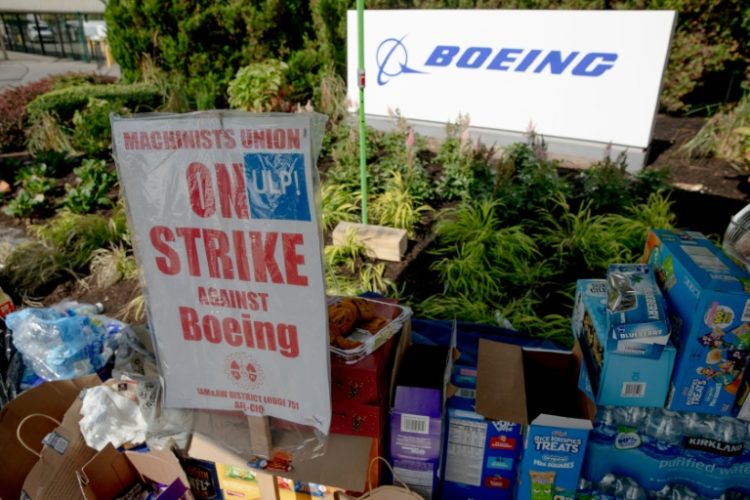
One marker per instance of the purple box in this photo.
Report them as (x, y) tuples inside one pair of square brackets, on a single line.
[(416, 418)]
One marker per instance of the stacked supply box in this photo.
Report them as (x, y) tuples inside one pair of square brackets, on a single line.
[(707, 294), (480, 456), (614, 378), (637, 320)]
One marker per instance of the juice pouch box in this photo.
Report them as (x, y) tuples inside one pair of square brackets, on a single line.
[(615, 379), (638, 323), (707, 294)]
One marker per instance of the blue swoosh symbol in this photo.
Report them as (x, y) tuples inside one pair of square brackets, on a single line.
[(392, 59)]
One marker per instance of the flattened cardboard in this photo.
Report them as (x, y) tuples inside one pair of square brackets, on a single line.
[(500, 375), (344, 464), (50, 398)]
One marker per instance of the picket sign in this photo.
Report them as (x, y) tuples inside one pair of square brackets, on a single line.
[(225, 229)]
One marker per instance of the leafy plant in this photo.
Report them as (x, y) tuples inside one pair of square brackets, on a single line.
[(46, 133), (466, 169), (30, 268), (259, 87), (396, 207), (528, 181), (31, 197), (74, 238), (606, 185), (112, 265), (94, 180), (338, 206), (348, 255), (92, 132), (719, 136), (580, 239)]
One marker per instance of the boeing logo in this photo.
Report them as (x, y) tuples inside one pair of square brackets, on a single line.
[(393, 60)]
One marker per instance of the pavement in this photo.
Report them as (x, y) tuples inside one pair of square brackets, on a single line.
[(21, 68)]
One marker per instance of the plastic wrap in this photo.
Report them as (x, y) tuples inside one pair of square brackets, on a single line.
[(63, 341), (223, 209), (359, 336), (128, 412)]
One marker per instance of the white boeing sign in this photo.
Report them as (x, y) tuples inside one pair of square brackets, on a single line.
[(588, 76)]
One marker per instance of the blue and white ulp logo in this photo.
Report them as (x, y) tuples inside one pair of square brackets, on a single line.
[(392, 59), (276, 186)]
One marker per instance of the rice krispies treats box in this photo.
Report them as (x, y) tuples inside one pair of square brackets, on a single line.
[(708, 296)]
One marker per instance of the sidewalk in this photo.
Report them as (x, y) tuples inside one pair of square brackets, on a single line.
[(22, 68)]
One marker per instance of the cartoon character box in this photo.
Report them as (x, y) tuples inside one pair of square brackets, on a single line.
[(708, 297)]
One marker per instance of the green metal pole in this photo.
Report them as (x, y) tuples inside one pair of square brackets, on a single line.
[(362, 126)]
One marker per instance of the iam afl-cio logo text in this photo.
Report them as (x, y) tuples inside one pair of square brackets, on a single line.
[(243, 371), (392, 59)]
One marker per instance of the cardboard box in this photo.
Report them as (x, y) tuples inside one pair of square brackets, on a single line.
[(615, 379), (638, 324), (358, 419), (417, 415), (52, 399), (364, 381), (708, 295), (111, 474), (538, 389), (480, 457)]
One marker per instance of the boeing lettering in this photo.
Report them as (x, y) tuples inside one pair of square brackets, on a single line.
[(555, 62)]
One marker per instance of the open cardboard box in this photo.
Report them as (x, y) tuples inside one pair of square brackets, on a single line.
[(54, 401), (538, 389), (345, 462), (110, 474)]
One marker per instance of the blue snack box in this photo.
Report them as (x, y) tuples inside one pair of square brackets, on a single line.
[(615, 379), (708, 295), (480, 456), (553, 457), (638, 323)]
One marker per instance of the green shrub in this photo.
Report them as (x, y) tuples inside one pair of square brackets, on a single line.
[(719, 136), (466, 169), (65, 102), (528, 181), (606, 185), (94, 180), (92, 132), (259, 87), (204, 41)]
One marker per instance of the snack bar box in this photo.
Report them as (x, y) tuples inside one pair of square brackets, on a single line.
[(480, 456), (707, 294), (538, 390), (615, 379)]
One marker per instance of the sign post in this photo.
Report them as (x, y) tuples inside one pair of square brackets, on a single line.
[(225, 228)]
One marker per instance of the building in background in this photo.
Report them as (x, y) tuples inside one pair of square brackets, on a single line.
[(59, 28)]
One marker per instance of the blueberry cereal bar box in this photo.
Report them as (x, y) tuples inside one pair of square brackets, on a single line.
[(638, 323), (709, 300)]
